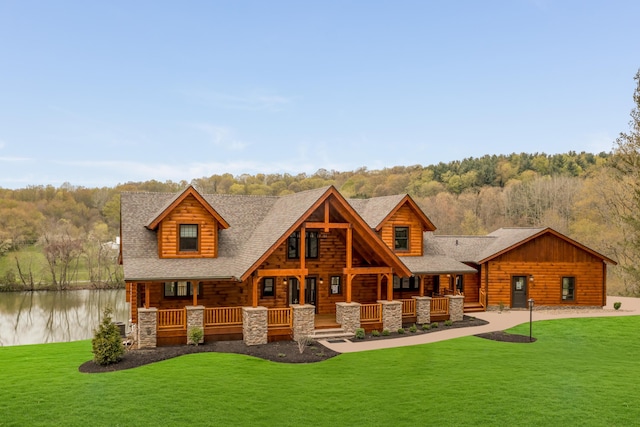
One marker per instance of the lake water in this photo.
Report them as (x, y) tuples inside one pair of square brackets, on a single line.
[(48, 316)]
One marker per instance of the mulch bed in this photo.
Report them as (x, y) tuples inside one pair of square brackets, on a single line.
[(280, 351)]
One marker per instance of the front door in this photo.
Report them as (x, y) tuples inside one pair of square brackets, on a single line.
[(519, 292), (309, 291)]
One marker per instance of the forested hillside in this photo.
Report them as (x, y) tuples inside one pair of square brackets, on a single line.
[(49, 234)]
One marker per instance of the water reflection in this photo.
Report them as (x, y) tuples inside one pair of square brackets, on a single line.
[(45, 317)]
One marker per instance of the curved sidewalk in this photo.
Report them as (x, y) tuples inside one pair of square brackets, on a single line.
[(497, 322)]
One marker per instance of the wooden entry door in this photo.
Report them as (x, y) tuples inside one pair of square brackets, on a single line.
[(309, 291), (519, 292)]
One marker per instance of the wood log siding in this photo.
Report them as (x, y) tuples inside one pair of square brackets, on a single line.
[(190, 211), (546, 286), (404, 217)]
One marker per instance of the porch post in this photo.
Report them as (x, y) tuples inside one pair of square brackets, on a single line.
[(147, 294), (389, 287), (254, 291), (456, 307), (303, 320), (348, 316), (303, 255), (349, 278), (379, 286), (421, 282), (423, 310), (391, 315)]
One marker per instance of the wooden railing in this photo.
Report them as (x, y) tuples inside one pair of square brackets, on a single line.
[(370, 313), (223, 316), (408, 307), (279, 317), (172, 319), (440, 306), (483, 298)]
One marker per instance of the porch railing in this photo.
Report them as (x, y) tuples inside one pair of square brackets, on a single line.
[(408, 307), (483, 298), (439, 306), (279, 317), (223, 316), (172, 318), (370, 313)]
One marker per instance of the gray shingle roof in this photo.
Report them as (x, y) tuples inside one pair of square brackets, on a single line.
[(374, 210)]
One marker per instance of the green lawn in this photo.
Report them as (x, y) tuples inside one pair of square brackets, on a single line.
[(579, 372)]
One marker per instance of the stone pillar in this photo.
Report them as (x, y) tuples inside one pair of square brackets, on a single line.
[(423, 310), (391, 315), (147, 327), (195, 319), (456, 307), (348, 316), (303, 320), (254, 325)]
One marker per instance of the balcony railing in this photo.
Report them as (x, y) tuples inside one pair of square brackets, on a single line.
[(483, 298), (223, 316), (370, 313)]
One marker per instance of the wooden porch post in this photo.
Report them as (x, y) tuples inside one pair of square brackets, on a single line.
[(421, 283), (349, 277), (147, 294), (303, 255), (389, 287), (195, 293), (379, 287), (349, 261), (254, 291)]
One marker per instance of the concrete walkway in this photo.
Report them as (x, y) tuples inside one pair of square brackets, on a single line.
[(497, 322)]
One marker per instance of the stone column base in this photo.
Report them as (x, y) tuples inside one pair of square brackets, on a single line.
[(348, 316), (195, 319), (423, 310), (391, 315), (303, 320), (147, 327), (456, 307), (254, 325)]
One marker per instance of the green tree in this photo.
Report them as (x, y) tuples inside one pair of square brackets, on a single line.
[(626, 163), (107, 343)]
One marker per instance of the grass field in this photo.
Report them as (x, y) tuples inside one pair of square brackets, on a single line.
[(579, 372)]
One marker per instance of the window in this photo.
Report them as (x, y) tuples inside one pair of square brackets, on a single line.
[(268, 287), (568, 288), (188, 237), (460, 283), (179, 289), (401, 235), (405, 283), (336, 286), (311, 245)]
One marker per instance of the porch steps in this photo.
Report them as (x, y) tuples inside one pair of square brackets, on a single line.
[(330, 333), (473, 307)]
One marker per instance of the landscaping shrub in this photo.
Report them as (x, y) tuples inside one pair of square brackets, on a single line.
[(375, 333), (385, 333), (426, 327), (434, 325), (106, 344), (617, 305), (448, 323), (413, 329), (401, 331), (360, 333), (195, 335)]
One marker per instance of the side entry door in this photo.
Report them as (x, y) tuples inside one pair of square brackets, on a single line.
[(519, 292)]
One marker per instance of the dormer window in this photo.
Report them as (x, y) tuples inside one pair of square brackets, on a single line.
[(401, 238), (188, 237)]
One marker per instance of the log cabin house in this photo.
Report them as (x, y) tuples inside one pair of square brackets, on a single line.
[(263, 268)]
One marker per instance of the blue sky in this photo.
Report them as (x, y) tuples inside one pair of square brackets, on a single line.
[(99, 93)]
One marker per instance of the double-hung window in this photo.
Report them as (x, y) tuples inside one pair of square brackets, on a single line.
[(568, 288), (268, 287), (179, 289), (188, 237), (401, 238)]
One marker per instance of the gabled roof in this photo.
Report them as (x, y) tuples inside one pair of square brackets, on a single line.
[(480, 249), (377, 210), (255, 226), (175, 201)]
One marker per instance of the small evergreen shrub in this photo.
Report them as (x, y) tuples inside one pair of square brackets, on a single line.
[(385, 333), (360, 333), (195, 335), (426, 327), (413, 329), (448, 323), (434, 325), (617, 305), (106, 344), (375, 333), (401, 331)]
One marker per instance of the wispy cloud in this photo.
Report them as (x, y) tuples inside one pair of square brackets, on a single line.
[(253, 101), (220, 136)]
